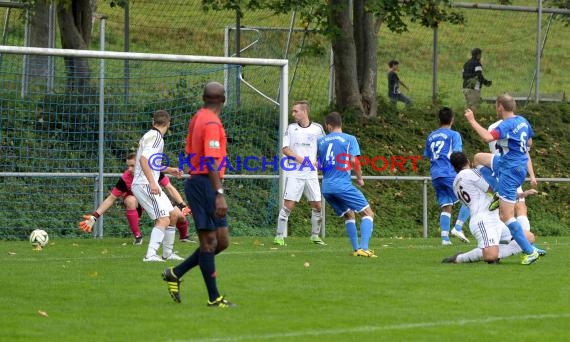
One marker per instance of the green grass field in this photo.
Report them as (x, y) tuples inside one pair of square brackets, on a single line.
[(100, 290)]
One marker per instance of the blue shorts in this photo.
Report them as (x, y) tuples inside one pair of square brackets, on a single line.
[(202, 200), (342, 202), (444, 191), (509, 179)]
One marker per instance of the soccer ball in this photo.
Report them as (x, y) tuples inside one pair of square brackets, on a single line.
[(39, 238)]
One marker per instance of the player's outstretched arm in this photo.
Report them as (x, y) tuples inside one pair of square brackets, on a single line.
[(174, 195), (89, 219), (480, 130)]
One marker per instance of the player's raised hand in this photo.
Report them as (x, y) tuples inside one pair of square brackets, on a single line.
[(87, 224), (469, 114)]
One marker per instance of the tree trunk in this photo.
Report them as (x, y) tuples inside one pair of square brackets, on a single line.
[(344, 49), (366, 27), (39, 37), (75, 24)]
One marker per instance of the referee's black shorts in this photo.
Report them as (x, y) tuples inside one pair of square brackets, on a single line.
[(201, 198)]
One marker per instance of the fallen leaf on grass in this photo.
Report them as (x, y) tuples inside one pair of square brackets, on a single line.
[(42, 313), (11, 253)]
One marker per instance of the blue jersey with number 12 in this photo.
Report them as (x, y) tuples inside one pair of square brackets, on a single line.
[(439, 146), (513, 141), (335, 151)]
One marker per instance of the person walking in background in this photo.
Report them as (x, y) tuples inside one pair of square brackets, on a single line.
[(206, 147), (394, 82), (148, 193), (133, 210), (336, 151), (473, 79), (300, 146), (439, 146)]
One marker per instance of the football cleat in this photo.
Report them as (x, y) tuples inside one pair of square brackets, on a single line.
[(174, 256), (138, 240), (459, 234), (494, 205), (527, 259), (446, 242), (317, 240), (364, 253), (540, 251), (450, 260), (173, 284), (279, 241), (221, 302), (153, 258)]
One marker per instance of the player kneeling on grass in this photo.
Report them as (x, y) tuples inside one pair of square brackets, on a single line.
[(133, 210), (473, 190)]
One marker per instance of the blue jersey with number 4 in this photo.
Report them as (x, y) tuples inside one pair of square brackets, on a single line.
[(335, 151), (513, 141), (439, 146)]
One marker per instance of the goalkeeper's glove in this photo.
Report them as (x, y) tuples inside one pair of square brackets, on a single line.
[(184, 209), (87, 224)]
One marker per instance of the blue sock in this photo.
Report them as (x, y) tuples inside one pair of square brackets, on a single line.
[(350, 226), (366, 227), (444, 224), (462, 217), (518, 234), (490, 178)]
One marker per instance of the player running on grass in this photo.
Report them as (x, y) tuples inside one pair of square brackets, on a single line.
[(338, 154), (473, 191), (133, 210), (514, 137)]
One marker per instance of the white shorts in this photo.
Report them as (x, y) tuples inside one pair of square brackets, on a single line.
[(295, 187), (488, 229), (156, 206)]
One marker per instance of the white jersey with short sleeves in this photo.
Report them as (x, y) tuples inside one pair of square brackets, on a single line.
[(471, 189), (302, 141), (493, 144), (150, 145)]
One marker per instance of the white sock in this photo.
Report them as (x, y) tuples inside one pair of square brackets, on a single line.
[(523, 220), (316, 221), (282, 222), (156, 237), (507, 250), (168, 241), (473, 255)]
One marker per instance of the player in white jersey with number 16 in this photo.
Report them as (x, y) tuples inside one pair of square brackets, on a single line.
[(486, 226)]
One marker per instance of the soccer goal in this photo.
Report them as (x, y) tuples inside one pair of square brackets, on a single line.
[(64, 141)]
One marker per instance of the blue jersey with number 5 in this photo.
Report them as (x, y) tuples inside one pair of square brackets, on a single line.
[(335, 151), (439, 146), (512, 143)]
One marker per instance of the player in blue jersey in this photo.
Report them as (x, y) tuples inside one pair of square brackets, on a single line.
[(514, 138), (338, 156), (439, 146)]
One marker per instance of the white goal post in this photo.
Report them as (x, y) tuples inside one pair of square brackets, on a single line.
[(282, 64)]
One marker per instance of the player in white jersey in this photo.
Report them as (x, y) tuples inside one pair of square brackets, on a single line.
[(301, 177), (485, 225), (146, 189), (521, 209)]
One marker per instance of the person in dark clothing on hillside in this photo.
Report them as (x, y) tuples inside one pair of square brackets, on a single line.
[(394, 83), (473, 79)]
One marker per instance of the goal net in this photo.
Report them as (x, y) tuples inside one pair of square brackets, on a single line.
[(64, 135)]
